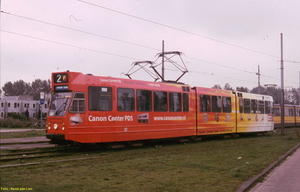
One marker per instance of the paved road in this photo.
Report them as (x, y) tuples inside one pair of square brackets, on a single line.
[(26, 146), (25, 143), (24, 140), (284, 178), (18, 130)]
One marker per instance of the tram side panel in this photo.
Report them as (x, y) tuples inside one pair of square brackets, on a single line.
[(139, 114), (254, 113), (127, 110), (297, 117), (94, 109), (216, 111), (291, 118), (277, 116)]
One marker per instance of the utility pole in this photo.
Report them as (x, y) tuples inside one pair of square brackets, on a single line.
[(282, 86), (258, 74), (163, 61)]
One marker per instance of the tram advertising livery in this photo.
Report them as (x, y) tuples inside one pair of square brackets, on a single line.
[(96, 109)]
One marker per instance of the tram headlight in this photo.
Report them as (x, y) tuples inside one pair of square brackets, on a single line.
[(55, 126)]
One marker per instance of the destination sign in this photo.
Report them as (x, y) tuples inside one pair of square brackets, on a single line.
[(61, 87)]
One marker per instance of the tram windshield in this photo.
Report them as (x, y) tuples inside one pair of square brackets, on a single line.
[(59, 104)]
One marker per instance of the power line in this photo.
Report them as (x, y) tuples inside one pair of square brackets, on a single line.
[(117, 55), (222, 65), (69, 45), (94, 34), (291, 61), (245, 71), (77, 30), (212, 74), (178, 29), (118, 40)]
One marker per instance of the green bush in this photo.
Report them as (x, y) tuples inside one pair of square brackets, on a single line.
[(11, 122), (15, 120), (18, 116)]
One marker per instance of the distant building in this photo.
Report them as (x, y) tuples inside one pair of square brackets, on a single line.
[(19, 104)]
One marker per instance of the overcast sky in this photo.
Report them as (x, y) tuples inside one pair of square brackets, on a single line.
[(222, 41)]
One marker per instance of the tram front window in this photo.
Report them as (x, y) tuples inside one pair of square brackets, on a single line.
[(59, 104)]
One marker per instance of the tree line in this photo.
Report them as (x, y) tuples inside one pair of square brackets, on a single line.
[(20, 87)]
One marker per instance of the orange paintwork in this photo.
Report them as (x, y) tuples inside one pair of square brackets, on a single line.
[(117, 126)]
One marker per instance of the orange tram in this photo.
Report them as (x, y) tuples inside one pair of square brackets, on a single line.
[(96, 109)]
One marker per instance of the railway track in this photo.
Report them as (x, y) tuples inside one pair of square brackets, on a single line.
[(52, 156), (46, 155), (25, 143), (44, 162), (62, 154), (28, 155)]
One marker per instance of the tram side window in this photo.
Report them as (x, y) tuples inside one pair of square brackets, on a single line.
[(175, 101), (125, 99), (277, 111), (205, 103), (289, 112), (253, 106), (100, 98), (267, 107), (160, 101), (247, 106), (241, 105), (261, 107), (78, 103), (226, 104), (185, 102), (144, 100), (216, 104)]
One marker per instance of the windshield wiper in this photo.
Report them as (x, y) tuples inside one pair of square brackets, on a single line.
[(62, 107)]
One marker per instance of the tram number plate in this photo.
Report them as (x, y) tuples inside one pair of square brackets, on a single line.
[(61, 78)]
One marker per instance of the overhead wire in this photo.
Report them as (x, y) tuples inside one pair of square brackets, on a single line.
[(212, 74), (185, 31), (135, 44), (114, 39), (222, 65), (77, 30), (175, 28), (69, 45), (89, 33), (112, 54)]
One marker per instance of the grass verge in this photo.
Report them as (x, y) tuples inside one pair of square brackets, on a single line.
[(211, 165), (22, 134)]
